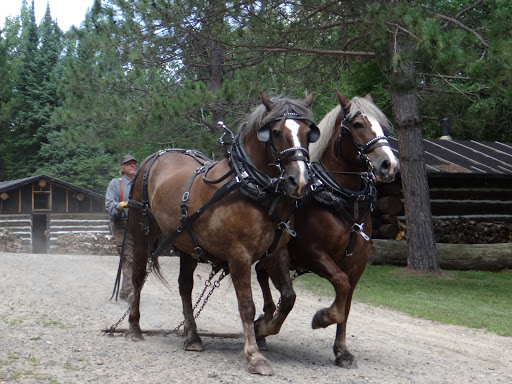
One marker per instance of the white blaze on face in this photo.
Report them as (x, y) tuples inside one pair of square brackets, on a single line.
[(377, 128), (294, 127)]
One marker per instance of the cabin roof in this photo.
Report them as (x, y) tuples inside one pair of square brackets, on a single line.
[(13, 184), (465, 156)]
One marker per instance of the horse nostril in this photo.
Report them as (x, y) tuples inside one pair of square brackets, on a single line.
[(385, 166), (292, 181)]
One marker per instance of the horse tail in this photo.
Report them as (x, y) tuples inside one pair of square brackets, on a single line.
[(158, 272)]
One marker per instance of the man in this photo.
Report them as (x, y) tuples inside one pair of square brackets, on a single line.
[(116, 200)]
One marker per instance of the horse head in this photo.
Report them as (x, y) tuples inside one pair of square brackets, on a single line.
[(364, 127), (283, 129)]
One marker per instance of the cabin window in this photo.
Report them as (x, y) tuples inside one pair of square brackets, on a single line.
[(41, 201)]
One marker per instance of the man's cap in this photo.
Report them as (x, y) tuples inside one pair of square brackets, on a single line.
[(127, 158)]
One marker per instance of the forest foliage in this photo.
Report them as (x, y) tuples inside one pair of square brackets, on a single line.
[(143, 75)]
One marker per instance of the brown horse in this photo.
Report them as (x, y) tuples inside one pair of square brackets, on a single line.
[(333, 227), (241, 208)]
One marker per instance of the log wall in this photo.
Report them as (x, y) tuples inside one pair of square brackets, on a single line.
[(58, 225), (20, 226), (64, 224)]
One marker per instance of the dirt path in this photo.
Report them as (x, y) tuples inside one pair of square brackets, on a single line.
[(52, 308)]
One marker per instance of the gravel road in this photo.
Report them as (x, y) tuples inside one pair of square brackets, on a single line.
[(53, 308)]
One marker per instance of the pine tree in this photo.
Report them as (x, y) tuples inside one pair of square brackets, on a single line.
[(25, 122), (35, 96), (5, 97), (47, 59)]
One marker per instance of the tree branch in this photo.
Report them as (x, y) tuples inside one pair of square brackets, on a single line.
[(313, 51), (459, 14), (445, 76), (464, 27)]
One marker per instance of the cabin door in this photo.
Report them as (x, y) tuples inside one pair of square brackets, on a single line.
[(40, 234)]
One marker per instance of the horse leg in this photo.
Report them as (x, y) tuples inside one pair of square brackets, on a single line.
[(270, 323), (334, 314), (343, 357), (186, 283), (140, 258), (269, 307), (241, 276)]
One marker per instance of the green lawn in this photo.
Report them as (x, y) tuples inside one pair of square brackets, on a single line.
[(473, 299)]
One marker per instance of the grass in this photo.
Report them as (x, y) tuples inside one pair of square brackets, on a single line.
[(474, 299)]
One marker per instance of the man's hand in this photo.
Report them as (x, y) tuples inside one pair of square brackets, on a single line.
[(123, 204)]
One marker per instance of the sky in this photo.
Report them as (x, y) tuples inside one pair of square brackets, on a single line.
[(65, 12)]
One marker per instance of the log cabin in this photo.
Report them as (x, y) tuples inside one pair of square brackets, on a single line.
[(470, 186), (39, 209)]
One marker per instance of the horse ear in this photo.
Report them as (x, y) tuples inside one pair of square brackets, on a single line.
[(309, 100), (313, 134), (266, 102), (342, 99), (264, 133), (368, 97)]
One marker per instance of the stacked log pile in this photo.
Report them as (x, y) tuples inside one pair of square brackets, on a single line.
[(458, 230), (465, 231), (9, 242), (86, 244), (386, 224)]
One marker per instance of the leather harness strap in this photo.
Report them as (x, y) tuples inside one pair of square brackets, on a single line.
[(328, 192), (245, 177), (120, 189)]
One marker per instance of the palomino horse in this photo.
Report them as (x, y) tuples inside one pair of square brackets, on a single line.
[(333, 227), (240, 211)]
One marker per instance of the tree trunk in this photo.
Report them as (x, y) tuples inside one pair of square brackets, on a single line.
[(422, 253), (217, 78)]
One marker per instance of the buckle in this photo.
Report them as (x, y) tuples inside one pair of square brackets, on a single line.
[(359, 229)]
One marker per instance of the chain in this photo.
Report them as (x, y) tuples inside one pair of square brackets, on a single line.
[(216, 284), (207, 284), (114, 326)]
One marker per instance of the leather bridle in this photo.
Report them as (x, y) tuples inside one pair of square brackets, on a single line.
[(362, 149)]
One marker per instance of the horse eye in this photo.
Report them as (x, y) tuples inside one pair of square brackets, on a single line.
[(276, 132), (358, 125)]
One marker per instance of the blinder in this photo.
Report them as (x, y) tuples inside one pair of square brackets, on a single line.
[(313, 134), (264, 132)]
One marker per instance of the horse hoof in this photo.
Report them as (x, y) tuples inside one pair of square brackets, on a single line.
[(261, 367), (320, 320), (194, 346), (262, 343), (134, 336), (346, 360)]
